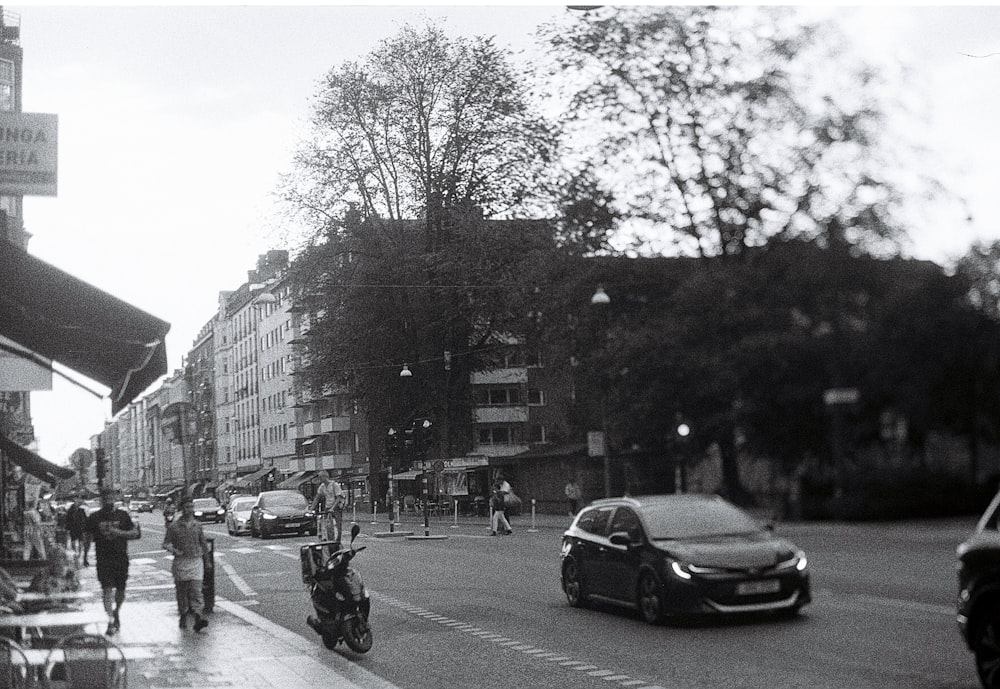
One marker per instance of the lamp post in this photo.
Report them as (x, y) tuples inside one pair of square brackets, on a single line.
[(683, 431), (601, 301)]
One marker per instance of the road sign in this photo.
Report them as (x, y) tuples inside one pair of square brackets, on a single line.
[(595, 444), (438, 466), (835, 396)]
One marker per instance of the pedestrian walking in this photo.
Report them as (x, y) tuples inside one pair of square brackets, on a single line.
[(34, 542), (111, 529), (498, 523), (185, 540), (572, 497), (76, 527), (329, 508)]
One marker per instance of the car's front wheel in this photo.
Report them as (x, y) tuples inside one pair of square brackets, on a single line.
[(986, 645), (650, 599), (573, 585)]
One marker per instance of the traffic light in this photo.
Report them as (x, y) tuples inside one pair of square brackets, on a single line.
[(423, 437), (393, 449)]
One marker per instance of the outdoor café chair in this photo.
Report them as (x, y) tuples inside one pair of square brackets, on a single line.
[(15, 671), (86, 661)]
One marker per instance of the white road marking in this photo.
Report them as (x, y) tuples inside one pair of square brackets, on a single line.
[(528, 650), (238, 581)]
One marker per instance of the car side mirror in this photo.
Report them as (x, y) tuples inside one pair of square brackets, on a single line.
[(355, 530), (622, 538)]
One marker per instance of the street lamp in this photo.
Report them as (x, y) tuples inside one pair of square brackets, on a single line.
[(601, 300), (683, 431)]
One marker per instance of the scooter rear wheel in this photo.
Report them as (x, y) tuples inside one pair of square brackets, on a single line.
[(358, 634)]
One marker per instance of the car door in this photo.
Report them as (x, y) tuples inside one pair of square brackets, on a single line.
[(621, 563), (592, 548)]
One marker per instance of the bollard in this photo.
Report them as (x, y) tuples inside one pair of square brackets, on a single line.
[(532, 529), (375, 513), (455, 525), (354, 512), (208, 581)]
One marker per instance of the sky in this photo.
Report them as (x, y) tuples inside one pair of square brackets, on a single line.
[(176, 123)]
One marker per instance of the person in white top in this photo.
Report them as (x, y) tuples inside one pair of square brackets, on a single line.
[(329, 507)]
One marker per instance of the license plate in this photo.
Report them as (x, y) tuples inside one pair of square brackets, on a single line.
[(293, 525), (755, 588)]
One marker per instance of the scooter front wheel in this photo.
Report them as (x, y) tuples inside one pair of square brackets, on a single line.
[(357, 634)]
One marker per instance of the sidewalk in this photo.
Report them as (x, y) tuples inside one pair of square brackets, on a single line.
[(239, 648)]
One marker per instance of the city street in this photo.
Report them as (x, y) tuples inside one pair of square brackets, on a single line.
[(476, 610)]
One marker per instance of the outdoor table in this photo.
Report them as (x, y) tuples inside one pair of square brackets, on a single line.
[(39, 656), (60, 596), (33, 626)]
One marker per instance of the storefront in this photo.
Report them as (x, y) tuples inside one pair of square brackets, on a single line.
[(18, 489), (464, 480), (46, 316)]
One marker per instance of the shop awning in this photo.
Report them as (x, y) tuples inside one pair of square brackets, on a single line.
[(32, 463), (59, 317), (297, 479), (407, 476), (246, 481), (167, 490)]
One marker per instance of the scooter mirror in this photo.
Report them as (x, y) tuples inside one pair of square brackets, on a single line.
[(355, 530)]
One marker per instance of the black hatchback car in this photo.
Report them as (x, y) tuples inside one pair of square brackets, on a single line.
[(979, 594), (680, 555), (281, 512)]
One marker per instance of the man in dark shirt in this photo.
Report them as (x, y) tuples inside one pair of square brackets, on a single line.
[(110, 529)]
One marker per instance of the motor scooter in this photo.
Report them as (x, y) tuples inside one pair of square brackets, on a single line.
[(339, 597)]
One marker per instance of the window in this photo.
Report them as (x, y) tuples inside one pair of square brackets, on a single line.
[(626, 520), (486, 395), (496, 435), (6, 86), (595, 520), (536, 397), (533, 359), (536, 433)]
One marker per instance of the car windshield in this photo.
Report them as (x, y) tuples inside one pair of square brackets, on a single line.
[(206, 504), (242, 505), (683, 520), (284, 500)]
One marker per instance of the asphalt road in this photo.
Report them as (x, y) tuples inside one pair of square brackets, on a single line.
[(487, 612)]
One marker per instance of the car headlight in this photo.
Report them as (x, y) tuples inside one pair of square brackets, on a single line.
[(220, 512), (268, 515), (310, 513), (197, 513), (679, 569), (797, 560)]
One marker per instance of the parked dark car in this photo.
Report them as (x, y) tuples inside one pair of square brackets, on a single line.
[(680, 555), (208, 510), (281, 512), (979, 595)]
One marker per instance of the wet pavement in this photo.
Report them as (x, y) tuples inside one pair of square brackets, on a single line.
[(238, 649)]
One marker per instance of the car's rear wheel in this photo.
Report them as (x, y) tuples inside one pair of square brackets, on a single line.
[(986, 645), (650, 599), (573, 585)]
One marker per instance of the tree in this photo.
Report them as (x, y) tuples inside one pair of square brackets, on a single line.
[(720, 127), (425, 123), (420, 155)]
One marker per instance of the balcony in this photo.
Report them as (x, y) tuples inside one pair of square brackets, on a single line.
[(511, 414), (500, 376)]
